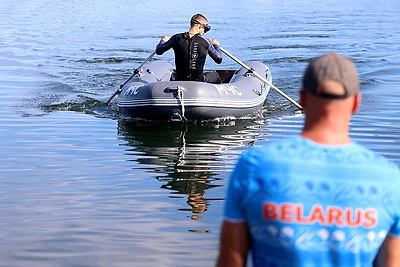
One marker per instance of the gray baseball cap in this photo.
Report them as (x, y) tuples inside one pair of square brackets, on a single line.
[(331, 66)]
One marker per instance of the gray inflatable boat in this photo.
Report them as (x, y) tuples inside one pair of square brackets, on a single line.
[(154, 95)]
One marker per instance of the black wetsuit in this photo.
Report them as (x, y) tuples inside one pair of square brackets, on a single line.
[(190, 55)]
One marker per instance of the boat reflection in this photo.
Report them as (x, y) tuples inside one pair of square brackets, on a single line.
[(188, 159)]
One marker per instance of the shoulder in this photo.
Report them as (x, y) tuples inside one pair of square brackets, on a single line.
[(202, 40), (359, 153), (299, 149), (179, 36), (208, 40)]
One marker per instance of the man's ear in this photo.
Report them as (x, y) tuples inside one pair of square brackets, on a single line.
[(357, 103), (302, 98)]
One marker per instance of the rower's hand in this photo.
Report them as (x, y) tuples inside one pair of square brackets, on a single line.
[(214, 42), (165, 38)]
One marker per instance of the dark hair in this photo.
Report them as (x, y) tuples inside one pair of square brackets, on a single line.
[(196, 17)]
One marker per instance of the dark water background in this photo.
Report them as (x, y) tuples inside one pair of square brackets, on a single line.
[(80, 186)]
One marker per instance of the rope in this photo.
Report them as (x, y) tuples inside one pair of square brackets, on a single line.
[(180, 97)]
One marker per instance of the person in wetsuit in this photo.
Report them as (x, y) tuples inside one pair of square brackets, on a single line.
[(191, 50)]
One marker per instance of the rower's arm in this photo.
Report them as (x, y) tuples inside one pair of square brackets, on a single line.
[(214, 51), (164, 45)]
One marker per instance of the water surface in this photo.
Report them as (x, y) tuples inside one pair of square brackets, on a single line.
[(81, 186)]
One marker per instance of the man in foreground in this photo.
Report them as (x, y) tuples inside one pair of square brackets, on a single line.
[(191, 50), (317, 199)]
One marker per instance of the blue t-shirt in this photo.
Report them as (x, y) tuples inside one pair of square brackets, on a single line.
[(308, 204)]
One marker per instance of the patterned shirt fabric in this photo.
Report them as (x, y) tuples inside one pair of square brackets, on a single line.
[(308, 204)]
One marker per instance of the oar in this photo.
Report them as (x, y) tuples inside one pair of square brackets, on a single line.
[(260, 77), (136, 71)]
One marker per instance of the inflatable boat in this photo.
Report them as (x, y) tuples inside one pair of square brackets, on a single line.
[(153, 94)]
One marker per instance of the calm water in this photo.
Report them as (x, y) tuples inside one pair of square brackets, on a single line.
[(80, 186)]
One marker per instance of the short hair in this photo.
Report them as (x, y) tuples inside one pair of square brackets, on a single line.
[(196, 17)]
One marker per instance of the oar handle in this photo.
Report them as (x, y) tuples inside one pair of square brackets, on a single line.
[(235, 59), (151, 55), (260, 77), (113, 95), (130, 77)]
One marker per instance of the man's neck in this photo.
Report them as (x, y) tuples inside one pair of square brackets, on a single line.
[(327, 136), (192, 32)]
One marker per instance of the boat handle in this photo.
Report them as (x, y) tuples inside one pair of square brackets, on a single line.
[(174, 89)]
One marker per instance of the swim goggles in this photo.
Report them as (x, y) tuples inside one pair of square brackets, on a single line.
[(206, 26)]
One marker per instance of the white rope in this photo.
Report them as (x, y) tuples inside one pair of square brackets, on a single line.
[(180, 96)]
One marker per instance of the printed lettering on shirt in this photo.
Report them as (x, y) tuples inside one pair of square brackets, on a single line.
[(194, 56), (331, 215)]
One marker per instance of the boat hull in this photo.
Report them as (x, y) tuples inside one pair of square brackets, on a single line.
[(152, 95)]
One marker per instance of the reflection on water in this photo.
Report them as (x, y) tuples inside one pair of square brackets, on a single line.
[(187, 157), (74, 192)]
